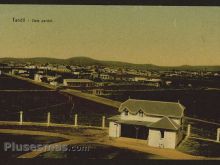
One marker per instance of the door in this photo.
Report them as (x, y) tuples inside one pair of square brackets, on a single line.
[(134, 131)]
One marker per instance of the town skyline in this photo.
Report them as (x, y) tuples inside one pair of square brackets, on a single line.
[(163, 36)]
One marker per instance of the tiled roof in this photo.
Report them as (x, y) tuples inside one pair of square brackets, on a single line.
[(165, 123), (78, 80), (149, 107), (117, 119)]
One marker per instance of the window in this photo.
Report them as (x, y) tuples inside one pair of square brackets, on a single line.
[(161, 134), (141, 114), (126, 112)]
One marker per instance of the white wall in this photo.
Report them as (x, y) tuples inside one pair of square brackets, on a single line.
[(153, 138), (179, 137), (144, 118), (65, 83), (139, 118), (178, 121), (169, 140), (114, 129), (37, 77)]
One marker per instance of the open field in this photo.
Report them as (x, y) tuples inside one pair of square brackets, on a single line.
[(36, 105), (11, 83), (200, 148)]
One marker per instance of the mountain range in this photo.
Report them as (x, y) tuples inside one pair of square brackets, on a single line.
[(84, 61)]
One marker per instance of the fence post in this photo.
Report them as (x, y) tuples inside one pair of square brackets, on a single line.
[(48, 119), (75, 120), (218, 135), (21, 117), (103, 121), (188, 130)]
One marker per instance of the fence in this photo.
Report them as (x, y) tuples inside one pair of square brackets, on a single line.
[(76, 121), (202, 130), (192, 127)]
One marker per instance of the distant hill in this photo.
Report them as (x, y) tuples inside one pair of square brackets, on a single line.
[(84, 61)]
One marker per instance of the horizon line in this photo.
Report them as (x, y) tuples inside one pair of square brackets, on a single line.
[(205, 65)]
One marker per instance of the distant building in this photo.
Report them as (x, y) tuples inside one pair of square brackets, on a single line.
[(168, 82), (78, 82), (159, 123), (98, 92), (18, 71), (76, 74), (153, 82), (105, 76), (37, 77), (54, 83), (139, 79), (94, 75)]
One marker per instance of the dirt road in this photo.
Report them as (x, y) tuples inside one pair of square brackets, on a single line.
[(96, 136)]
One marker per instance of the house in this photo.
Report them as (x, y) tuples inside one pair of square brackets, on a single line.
[(159, 123), (153, 82), (98, 92), (139, 79), (78, 82), (38, 77), (54, 83), (105, 76)]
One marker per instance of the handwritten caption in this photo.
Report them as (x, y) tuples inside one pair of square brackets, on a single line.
[(32, 20)]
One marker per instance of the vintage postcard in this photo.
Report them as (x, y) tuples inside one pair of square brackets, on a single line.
[(110, 82)]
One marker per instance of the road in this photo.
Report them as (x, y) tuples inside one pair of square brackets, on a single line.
[(91, 97), (76, 93)]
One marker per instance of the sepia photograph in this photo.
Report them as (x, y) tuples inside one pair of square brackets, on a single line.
[(109, 82)]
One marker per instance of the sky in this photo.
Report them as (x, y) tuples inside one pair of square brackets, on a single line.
[(167, 36)]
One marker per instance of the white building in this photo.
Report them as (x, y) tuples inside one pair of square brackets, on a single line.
[(78, 82), (37, 77), (105, 76), (54, 83), (139, 79), (159, 123)]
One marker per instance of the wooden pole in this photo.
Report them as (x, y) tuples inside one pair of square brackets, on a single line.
[(48, 119), (21, 117), (103, 121), (188, 130), (75, 121), (218, 135)]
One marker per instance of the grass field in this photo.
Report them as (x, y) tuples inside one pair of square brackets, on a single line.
[(36, 105), (11, 83), (200, 148)]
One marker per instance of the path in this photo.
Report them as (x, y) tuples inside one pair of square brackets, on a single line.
[(101, 100), (131, 144)]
